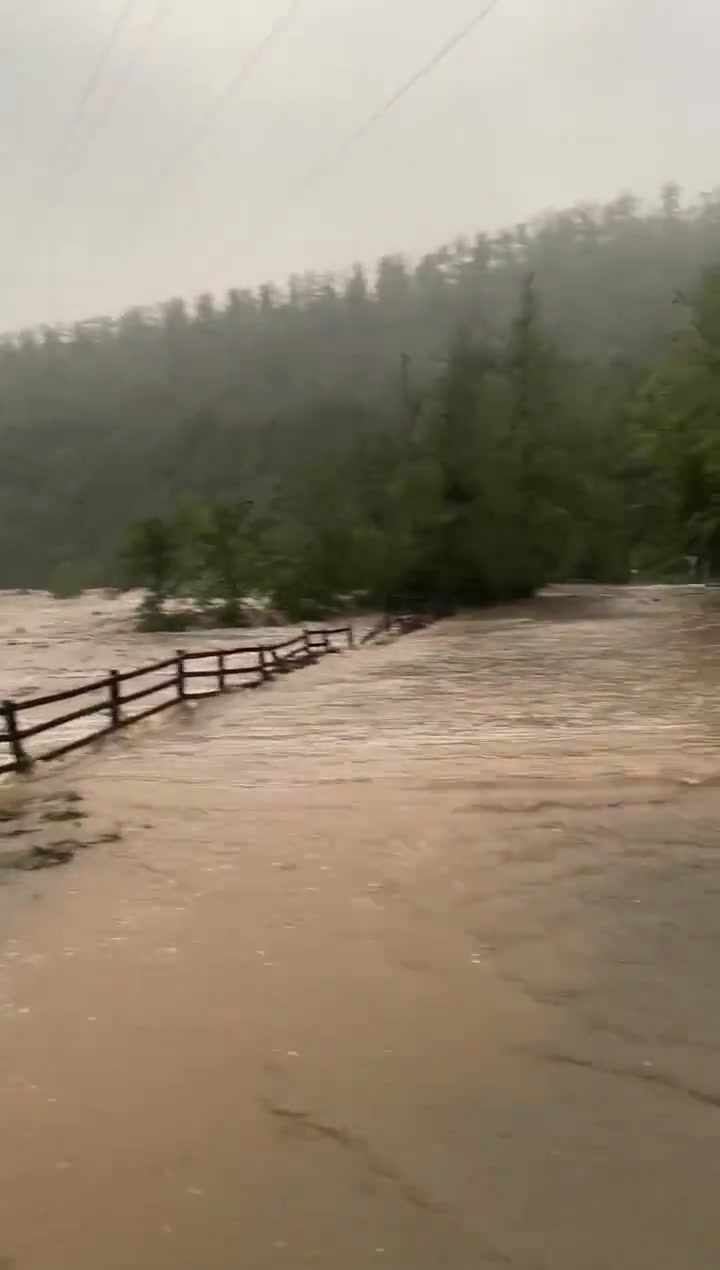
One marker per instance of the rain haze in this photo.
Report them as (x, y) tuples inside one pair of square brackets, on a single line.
[(160, 147), (359, 634)]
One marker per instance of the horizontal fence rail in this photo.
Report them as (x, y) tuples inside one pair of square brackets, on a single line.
[(123, 698), (188, 676)]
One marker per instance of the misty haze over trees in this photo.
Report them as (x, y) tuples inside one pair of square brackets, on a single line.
[(534, 405)]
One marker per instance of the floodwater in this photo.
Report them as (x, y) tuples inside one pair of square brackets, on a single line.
[(409, 960), (49, 646)]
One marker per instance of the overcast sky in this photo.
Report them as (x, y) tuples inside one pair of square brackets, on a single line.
[(145, 193)]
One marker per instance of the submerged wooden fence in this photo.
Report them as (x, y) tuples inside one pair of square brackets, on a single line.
[(188, 676)]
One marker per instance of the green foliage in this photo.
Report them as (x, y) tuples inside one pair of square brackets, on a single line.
[(152, 560), (677, 418), (204, 556), (474, 499), (225, 563), (482, 500), (68, 580), (369, 471)]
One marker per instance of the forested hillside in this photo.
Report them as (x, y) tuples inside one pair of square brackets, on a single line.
[(565, 350)]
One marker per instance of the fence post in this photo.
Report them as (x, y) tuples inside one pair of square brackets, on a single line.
[(21, 759), (309, 651), (180, 678), (222, 681), (351, 636), (326, 642), (115, 701), (265, 672)]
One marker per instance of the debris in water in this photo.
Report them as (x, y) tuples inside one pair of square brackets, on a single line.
[(61, 814), (39, 857)]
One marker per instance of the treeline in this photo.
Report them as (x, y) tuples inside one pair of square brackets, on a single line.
[(471, 497), (485, 489), (447, 420)]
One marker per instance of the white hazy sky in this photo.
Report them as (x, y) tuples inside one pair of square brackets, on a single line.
[(548, 102)]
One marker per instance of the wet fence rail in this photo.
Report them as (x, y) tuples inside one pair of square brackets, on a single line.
[(123, 698)]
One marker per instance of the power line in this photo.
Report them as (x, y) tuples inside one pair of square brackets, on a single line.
[(155, 18), (51, 190), (327, 165), (99, 68), (206, 121), (91, 85)]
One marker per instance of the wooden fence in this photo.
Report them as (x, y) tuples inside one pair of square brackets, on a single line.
[(397, 624), (185, 677)]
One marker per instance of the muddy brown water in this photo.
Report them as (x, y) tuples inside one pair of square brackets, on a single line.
[(411, 960), (49, 646)]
